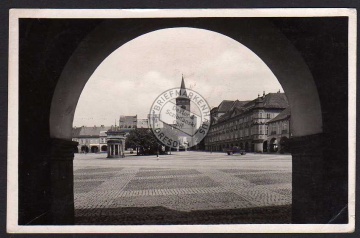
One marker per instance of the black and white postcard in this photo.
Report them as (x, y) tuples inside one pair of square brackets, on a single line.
[(181, 120)]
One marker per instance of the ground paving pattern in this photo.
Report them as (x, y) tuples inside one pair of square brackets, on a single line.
[(182, 188)]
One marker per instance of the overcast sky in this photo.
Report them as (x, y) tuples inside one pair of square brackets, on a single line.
[(129, 80)]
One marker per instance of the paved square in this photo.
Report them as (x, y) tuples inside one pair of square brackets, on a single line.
[(182, 188)]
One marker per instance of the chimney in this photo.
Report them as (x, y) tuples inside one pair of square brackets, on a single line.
[(263, 93)]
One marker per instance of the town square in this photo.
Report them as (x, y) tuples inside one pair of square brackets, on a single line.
[(186, 187)]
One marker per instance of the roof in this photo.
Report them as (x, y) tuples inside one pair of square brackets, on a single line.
[(103, 133), (87, 131), (239, 104), (225, 106), (271, 100), (233, 108), (276, 100), (182, 93), (128, 117), (282, 115)]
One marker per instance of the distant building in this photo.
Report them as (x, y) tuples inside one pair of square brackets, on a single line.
[(103, 141), (244, 123), (129, 122), (155, 121), (90, 139), (142, 123), (279, 132)]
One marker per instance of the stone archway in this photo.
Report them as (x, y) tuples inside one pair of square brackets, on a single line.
[(273, 145), (299, 85), (103, 148), (265, 146), (276, 50), (94, 149), (84, 149), (247, 147)]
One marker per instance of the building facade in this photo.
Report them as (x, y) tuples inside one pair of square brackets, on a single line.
[(129, 122), (90, 139), (244, 123), (142, 123), (279, 132)]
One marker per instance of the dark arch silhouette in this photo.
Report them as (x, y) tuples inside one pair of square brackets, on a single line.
[(275, 51), (49, 106)]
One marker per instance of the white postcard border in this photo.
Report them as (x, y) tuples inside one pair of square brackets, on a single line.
[(13, 118)]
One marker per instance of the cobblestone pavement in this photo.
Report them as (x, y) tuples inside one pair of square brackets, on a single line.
[(151, 190)]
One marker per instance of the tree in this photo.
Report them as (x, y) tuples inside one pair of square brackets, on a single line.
[(143, 140)]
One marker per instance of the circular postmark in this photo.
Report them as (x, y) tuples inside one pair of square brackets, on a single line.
[(180, 118)]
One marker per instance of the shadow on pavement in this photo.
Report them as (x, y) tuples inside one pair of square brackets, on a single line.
[(164, 216)]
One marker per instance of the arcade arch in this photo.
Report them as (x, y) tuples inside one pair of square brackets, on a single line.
[(275, 50), (274, 145), (103, 148)]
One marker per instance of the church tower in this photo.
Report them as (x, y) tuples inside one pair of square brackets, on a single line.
[(185, 122), (182, 101)]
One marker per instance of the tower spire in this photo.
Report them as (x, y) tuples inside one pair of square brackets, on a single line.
[(182, 82), (182, 87)]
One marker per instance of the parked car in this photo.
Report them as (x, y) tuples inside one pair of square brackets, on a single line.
[(235, 150)]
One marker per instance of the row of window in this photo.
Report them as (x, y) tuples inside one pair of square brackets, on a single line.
[(91, 141), (279, 127), (259, 129), (244, 121), (273, 128)]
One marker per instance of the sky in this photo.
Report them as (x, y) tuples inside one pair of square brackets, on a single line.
[(129, 80)]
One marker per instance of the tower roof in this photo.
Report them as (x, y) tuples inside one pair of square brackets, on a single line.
[(182, 82), (183, 92)]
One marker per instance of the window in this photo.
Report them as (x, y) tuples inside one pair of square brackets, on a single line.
[(268, 116), (278, 128)]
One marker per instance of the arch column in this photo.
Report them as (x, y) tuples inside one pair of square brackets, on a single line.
[(307, 182), (62, 185), (314, 174)]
